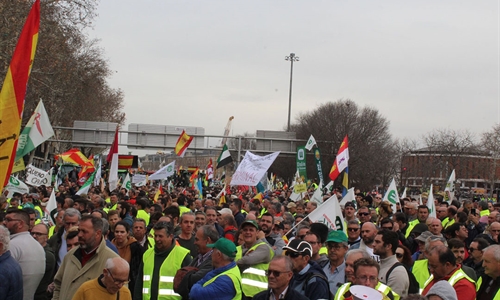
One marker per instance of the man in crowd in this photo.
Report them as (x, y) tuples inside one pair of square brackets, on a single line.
[(364, 214), (86, 261), (227, 221), (349, 212), (25, 250), (435, 226), (365, 272), (442, 264), (11, 277), (203, 262), (385, 244), (315, 242), (488, 284), (334, 269), (199, 220), (71, 218), (475, 260), (308, 279), (186, 237), (279, 274), (211, 213), (159, 265), (40, 233), (275, 241), (368, 233), (311, 206), (458, 248), (235, 208), (109, 285), (253, 258), (224, 282), (139, 233)]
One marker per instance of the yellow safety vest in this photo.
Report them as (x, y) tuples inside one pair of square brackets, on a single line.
[(114, 206), (234, 274), (51, 230), (384, 289), (143, 215), (168, 269), (421, 272), (484, 213), (323, 250), (478, 285), (459, 274), (183, 209), (254, 279), (410, 227), (447, 222)]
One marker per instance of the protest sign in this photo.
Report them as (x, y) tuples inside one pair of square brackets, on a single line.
[(252, 168), (37, 177)]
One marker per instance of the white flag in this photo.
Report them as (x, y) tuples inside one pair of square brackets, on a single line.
[(392, 195), (450, 187), (310, 143), (252, 168), (329, 213), (127, 184), (50, 209), (431, 205), (404, 194), (16, 186), (318, 194), (164, 172), (37, 131), (329, 185), (113, 173), (97, 178), (349, 197)]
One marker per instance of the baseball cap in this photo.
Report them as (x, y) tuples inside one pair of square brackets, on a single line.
[(423, 236), (299, 246), (251, 222), (349, 204), (225, 211), (336, 236), (225, 246), (420, 227), (291, 204)]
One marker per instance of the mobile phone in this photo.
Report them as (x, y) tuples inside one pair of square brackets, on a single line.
[(473, 211)]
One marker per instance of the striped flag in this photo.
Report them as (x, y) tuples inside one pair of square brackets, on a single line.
[(345, 182), (341, 160), (14, 91), (183, 143), (113, 159), (224, 157), (76, 157)]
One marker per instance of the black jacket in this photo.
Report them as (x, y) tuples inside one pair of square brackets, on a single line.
[(313, 284), (291, 294)]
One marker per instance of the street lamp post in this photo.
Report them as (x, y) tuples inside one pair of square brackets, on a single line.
[(290, 58)]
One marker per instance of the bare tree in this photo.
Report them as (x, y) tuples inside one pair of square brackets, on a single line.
[(371, 146), (490, 141)]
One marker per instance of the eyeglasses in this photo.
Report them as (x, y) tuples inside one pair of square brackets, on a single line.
[(473, 249), (364, 214), (301, 236), (334, 246), (11, 220), (365, 278), (37, 233), (274, 273), (292, 254), (117, 282), (399, 255), (353, 229)]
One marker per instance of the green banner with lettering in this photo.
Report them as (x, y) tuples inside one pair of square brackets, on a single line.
[(301, 162)]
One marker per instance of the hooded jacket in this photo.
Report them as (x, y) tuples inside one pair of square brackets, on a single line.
[(312, 283)]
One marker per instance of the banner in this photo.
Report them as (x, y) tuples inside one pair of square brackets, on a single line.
[(300, 188), (252, 168), (164, 172), (127, 184), (317, 158), (37, 131), (18, 166), (310, 143), (430, 203), (329, 213), (318, 195), (138, 178), (392, 195), (450, 187), (51, 210), (37, 177), (301, 161)]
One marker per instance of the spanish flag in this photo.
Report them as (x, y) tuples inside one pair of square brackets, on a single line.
[(183, 143), (341, 161), (14, 90)]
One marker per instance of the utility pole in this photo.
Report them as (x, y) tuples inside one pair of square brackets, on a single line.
[(290, 58)]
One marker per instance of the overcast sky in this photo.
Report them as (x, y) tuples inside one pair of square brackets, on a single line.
[(422, 64)]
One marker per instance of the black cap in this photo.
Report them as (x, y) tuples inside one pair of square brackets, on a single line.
[(299, 246)]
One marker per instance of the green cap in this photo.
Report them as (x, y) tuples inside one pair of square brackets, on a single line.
[(251, 222), (225, 246), (336, 237)]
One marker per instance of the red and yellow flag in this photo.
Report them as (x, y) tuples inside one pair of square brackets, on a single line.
[(182, 144), (14, 90)]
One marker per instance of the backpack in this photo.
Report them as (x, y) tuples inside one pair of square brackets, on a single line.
[(414, 287)]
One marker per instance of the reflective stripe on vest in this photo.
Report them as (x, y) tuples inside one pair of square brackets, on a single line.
[(169, 267), (254, 279), (458, 275), (234, 275)]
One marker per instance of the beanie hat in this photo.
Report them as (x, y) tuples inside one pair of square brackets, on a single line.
[(444, 290)]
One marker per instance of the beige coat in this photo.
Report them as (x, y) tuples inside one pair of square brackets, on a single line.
[(71, 275)]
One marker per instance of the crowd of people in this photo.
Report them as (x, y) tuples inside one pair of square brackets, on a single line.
[(124, 244)]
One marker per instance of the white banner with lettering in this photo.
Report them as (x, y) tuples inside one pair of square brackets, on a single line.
[(37, 177), (252, 168)]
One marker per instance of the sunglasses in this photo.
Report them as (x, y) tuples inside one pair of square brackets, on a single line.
[(274, 273), (353, 229), (301, 236), (364, 214), (399, 255), (292, 254)]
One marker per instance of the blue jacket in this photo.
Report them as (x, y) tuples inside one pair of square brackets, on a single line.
[(313, 284), (11, 278), (221, 289)]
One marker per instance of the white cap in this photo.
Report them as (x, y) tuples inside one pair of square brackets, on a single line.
[(361, 292), (225, 211)]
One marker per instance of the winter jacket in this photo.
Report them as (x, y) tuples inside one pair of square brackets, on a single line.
[(311, 282), (11, 278)]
